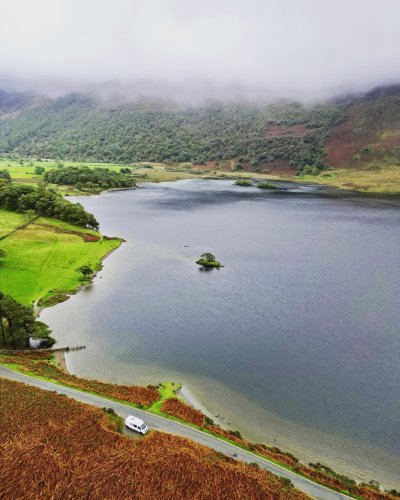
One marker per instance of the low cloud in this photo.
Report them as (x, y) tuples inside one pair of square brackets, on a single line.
[(197, 50)]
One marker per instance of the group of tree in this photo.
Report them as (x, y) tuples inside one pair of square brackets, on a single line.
[(90, 179), (5, 175), (80, 128), (39, 170), (207, 260), (18, 323), (44, 202)]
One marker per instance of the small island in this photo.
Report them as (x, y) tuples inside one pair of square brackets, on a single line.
[(243, 182), (266, 185), (207, 260)]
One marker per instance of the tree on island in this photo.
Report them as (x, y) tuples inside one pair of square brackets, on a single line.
[(207, 259)]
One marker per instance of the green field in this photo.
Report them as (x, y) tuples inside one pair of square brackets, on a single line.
[(42, 257), (384, 179), (23, 172), (9, 221)]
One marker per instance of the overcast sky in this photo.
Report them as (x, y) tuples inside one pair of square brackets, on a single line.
[(290, 48)]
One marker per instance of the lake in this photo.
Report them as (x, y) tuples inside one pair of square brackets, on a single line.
[(295, 341)]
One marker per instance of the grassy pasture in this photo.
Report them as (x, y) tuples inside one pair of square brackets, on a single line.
[(379, 179), (42, 258), (9, 221), (25, 173)]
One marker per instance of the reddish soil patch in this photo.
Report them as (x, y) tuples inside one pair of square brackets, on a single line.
[(363, 127), (211, 165), (90, 238), (390, 142), (85, 236), (343, 142), (226, 167), (278, 167), (292, 130)]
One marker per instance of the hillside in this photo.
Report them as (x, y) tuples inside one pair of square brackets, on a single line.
[(370, 133), (85, 456), (280, 137), (283, 135)]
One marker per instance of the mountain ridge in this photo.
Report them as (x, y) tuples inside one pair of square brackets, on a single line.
[(278, 136)]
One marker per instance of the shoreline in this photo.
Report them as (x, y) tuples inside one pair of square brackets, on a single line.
[(66, 294), (185, 392), (62, 361)]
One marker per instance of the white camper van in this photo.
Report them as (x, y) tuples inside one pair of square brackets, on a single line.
[(135, 424)]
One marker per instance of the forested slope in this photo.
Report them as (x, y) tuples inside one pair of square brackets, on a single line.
[(280, 135)]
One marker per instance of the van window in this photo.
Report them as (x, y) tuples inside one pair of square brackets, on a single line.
[(143, 426)]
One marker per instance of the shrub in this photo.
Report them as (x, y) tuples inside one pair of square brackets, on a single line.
[(39, 170), (266, 185), (243, 182), (5, 174), (236, 434)]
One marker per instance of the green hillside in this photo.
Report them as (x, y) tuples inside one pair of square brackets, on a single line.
[(77, 127), (360, 133)]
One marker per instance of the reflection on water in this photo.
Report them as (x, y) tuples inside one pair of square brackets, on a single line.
[(295, 341)]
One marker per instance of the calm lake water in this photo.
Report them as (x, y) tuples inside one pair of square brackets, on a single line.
[(295, 342)]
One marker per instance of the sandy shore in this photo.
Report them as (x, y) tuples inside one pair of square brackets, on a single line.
[(188, 397), (184, 393), (62, 362)]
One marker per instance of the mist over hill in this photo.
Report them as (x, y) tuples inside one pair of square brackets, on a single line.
[(280, 135)]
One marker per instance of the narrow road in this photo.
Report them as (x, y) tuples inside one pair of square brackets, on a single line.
[(158, 423)]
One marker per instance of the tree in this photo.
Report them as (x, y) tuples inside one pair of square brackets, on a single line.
[(44, 202), (85, 270), (209, 257), (5, 174), (207, 260), (18, 323), (39, 170)]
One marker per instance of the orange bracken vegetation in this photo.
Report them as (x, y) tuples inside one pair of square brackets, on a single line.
[(177, 408), (144, 396), (37, 362), (55, 447)]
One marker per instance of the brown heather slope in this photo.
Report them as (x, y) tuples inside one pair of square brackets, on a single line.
[(370, 131), (54, 447)]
